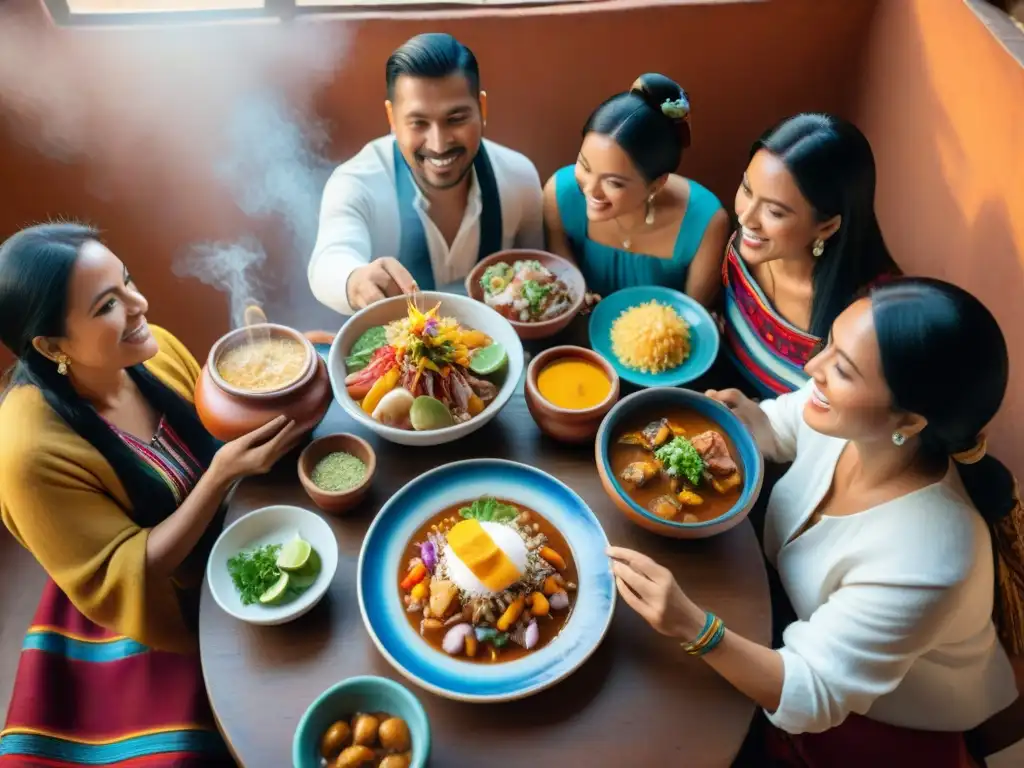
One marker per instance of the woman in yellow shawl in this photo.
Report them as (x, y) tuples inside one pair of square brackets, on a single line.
[(110, 480)]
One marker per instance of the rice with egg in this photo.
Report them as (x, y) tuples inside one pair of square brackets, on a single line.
[(650, 338)]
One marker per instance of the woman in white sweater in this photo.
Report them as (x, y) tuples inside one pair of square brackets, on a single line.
[(877, 538)]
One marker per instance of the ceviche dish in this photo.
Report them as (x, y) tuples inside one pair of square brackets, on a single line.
[(679, 467), (525, 291), (488, 581), (423, 371)]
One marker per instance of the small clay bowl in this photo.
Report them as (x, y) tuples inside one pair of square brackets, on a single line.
[(336, 502), (564, 424), (562, 268)]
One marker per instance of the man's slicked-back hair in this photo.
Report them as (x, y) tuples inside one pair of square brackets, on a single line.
[(432, 55)]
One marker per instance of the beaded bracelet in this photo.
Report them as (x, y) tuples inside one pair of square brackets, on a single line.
[(710, 636)]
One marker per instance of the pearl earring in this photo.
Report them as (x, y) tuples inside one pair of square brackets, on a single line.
[(818, 249), (649, 218), (63, 363), (898, 438)]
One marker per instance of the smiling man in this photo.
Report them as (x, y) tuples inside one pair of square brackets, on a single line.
[(420, 207)]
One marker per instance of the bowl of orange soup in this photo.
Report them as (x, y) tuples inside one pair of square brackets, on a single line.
[(568, 391)]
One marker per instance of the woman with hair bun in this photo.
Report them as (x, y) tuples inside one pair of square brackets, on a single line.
[(623, 214), (898, 543)]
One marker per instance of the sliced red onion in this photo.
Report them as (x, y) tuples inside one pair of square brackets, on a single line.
[(429, 555), (455, 639), (559, 601), (532, 635)]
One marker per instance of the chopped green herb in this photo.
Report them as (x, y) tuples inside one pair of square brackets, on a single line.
[(681, 459), (496, 277), (254, 572), (488, 509), (364, 347), (500, 641), (534, 293)]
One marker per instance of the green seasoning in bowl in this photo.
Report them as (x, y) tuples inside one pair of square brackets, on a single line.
[(338, 472)]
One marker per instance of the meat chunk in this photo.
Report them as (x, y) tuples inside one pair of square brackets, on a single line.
[(485, 390), (639, 472), (712, 448), (665, 507), (657, 433)]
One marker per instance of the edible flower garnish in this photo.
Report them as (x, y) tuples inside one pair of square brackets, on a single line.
[(432, 342)]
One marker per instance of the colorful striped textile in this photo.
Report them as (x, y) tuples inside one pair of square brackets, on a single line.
[(768, 350), (84, 696)]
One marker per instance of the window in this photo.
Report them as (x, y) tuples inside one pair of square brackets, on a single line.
[(148, 11)]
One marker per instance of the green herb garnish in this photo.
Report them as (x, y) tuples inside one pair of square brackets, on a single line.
[(254, 572), (364, 347), (534, 293), (681, 459), (489, 509)]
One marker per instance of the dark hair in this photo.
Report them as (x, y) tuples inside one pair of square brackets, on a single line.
[(945, 358), (834, 167), (432, 55), (36, 265), (637, 122)]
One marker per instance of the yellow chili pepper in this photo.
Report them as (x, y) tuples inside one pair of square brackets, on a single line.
[(380, 387), (419, 593)]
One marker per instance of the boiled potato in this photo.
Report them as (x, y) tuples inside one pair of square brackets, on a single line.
[(356, 756), (396, 761), (394, 735), (335, 739), (364, 730)]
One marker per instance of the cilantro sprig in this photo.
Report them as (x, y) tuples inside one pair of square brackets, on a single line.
[(254, 572), (489, 509), (681, 459)]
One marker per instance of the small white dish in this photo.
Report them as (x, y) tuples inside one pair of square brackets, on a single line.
[(271, 525)]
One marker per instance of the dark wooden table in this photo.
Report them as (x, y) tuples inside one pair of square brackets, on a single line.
[(639, 701)]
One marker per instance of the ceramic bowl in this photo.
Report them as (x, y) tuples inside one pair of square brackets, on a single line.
[(385, 546), (360, 694), (271, 525), (704, 339), (336, 502), (228, 411), (564, 424), (471, 314), (651, 401), (562, 268)]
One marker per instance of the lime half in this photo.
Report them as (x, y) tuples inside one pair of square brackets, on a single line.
[(306, 575), (294, 555), (488, 360), (276, 592), (429, 413)]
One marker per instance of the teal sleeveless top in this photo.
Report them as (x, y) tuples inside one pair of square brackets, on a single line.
[(607, 269)]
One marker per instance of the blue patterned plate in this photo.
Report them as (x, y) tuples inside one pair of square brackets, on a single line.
[(703, 334), (385, 546)]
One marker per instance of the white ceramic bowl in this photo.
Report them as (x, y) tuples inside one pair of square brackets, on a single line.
[(271, 525), (470, 313)]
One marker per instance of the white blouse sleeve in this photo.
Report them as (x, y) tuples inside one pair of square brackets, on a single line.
[(855, 648), (786, 415)]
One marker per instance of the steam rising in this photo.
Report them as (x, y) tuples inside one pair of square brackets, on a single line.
[(214, 105)]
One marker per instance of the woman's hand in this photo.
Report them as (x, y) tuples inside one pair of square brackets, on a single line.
[(652, 591), (256, 452), (750, 413)]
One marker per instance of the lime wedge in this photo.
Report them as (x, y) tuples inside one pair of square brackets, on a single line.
[(306, 575), (277, 592), (488, 360), (294, 555), (429, 413)]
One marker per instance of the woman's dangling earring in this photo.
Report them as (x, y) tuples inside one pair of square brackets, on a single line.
[(63, 363), (649, 218), (898, 439), (818, 249)]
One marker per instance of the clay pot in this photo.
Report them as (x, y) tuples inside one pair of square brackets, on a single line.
[(336, 502), (562, 268), (563, 424), (229, 412)]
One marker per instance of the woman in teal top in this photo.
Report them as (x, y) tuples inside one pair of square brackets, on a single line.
[(622, 214)]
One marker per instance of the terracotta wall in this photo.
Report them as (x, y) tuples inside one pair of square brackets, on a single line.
[(745, 64), (943, 105)]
